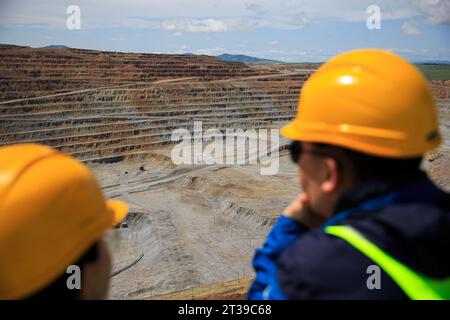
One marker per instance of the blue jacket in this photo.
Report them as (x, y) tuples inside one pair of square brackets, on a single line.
[(410, 222)]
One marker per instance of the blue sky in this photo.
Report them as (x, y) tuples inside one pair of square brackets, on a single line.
[(292, 30)]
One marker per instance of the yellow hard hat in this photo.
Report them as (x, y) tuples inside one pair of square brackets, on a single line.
[(368, 100), (51, 211)]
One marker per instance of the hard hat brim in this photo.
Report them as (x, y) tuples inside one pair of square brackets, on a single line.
[(119, 210), (290, 131), (346, 139)]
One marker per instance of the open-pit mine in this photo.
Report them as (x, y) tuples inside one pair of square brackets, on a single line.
[(192, 228)]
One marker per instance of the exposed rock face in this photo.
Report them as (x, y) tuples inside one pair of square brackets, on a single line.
[(27, 72), (441, 88), (118, 108), (107, 106)]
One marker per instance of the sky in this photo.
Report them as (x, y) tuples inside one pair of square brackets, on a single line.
[(290, 31)]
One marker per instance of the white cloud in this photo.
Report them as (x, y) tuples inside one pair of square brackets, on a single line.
[(409, 27), (30, 21), (255, 8), (436, 11), (191, 25), (299, 20), (296, 21)]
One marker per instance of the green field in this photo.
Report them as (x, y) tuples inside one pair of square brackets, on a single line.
[(435, 71)]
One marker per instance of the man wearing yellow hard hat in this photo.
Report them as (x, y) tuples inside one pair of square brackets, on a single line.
[(52, 216), (369, 223)]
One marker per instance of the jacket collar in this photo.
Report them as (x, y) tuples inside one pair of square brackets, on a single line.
[(375, 194), (378, 188)]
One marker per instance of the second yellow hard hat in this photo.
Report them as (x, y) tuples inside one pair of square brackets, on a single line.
[(368, 100), (51, 211)]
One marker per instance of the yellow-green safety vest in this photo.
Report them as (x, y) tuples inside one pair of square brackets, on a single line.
[(415, 285)]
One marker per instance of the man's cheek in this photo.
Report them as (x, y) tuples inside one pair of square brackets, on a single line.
[(304, 184)]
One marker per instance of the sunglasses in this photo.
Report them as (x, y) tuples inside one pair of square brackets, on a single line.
[(296, 150)]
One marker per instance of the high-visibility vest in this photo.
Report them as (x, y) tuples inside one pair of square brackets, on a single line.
[(415, 285)]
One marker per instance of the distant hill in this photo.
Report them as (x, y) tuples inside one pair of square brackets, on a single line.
[(6, 45), (55, 46), (431, 61), (243, 58)]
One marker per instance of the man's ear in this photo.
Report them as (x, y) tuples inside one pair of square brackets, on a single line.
[(331, 181)]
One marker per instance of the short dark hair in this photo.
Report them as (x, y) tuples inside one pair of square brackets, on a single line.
[(58, 288), (364, 167)]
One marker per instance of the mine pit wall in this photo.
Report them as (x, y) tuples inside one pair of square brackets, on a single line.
[(109, 125), (440, 88), (444, 111), (28, 72), (136, 113), (115, 123)]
